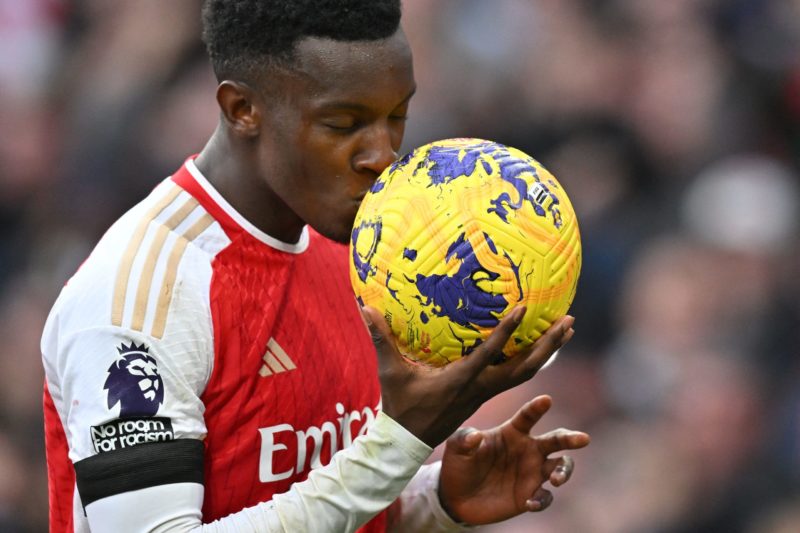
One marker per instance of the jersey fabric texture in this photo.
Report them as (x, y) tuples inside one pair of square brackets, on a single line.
[(191, 346)]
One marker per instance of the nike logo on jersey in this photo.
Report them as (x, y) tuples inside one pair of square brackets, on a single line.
[(276, 360)]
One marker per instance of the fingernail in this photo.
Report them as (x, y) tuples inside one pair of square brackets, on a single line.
[(472, 438), (519, 314)]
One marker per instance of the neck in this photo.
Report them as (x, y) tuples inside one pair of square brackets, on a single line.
[(233, 171)]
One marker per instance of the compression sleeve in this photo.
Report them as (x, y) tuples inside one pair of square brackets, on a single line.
[(359, 482), (419, 508)]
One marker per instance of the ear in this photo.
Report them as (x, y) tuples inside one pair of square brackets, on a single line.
[(237, 101)]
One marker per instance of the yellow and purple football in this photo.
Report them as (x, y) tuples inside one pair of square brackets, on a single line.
[(455, 235)]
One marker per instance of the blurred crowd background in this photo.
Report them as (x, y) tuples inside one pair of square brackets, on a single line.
[(674, 125)]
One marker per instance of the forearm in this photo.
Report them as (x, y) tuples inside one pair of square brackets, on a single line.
[(359, 482)]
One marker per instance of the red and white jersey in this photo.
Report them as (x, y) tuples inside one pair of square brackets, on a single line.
[(192, 347)]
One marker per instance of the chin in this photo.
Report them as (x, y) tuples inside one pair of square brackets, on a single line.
[(336, 226), (341, 238), (340, 234)]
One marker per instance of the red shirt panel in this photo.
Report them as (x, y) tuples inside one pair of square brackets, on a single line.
[(262, 297)]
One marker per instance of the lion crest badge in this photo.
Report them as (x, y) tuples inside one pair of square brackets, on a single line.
[(134, 382)]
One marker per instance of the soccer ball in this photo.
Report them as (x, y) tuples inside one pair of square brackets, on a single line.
[(455, 235)]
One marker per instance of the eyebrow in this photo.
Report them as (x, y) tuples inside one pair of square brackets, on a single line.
[(354, 106)]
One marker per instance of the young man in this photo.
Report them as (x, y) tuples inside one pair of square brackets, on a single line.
[(208, 360)]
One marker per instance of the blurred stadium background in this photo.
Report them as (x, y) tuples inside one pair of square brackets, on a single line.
[(675, 127)]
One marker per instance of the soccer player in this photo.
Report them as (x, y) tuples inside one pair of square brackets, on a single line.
[(208, 369)]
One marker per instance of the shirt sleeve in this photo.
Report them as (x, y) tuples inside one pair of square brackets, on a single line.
[(138, 450), (419, 507), (359, 482), (116, 388)]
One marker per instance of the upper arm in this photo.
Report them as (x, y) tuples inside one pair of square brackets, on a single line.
[(127, 351), (131, 411)]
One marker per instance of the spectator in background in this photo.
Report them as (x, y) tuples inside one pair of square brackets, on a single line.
[(682, 88)]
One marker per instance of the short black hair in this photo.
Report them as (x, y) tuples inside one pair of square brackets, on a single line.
[(243, 35)]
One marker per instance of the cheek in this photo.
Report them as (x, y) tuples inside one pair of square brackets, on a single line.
[(396, 135), (327, 164)]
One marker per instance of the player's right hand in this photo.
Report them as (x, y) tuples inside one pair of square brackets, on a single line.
[(433, 402)]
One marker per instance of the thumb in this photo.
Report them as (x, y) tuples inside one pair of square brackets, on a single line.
[(380, 333), (373, 320), (465, 441)]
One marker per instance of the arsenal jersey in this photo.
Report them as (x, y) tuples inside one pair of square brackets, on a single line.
[(194, 343)]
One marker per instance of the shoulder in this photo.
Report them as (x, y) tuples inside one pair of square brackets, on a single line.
[(145, 283), (154, 259)]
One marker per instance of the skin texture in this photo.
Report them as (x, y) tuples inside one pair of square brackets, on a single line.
[(301, 145), (486, 476), (306, 147), (493, 475)]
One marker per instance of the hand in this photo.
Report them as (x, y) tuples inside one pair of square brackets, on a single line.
[(490, 476), (431, 402)]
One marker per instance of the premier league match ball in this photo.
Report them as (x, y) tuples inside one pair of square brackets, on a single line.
[(454, 236)]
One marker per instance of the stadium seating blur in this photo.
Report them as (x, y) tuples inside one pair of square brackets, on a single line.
[(675, 128)]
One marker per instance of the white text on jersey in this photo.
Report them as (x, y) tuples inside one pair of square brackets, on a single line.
[(339, 437)]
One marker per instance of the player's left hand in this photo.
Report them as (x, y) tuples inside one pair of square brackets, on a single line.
[(490, 476)]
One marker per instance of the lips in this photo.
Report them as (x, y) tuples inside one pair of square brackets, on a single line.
[(361, 196)]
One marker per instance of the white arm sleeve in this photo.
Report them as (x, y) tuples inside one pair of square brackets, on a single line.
[(419, 508), (359, 482)]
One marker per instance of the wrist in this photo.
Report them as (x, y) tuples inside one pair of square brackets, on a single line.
[(444, 505), (413, 420)]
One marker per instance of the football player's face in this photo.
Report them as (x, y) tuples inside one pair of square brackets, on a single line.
[(332, 126)]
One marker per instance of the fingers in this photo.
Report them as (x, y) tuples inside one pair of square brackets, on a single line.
[(524, 366), (465, 441), (540, 500), (558, 470), (381, 337), (561, 439), (556, 336), (374, 322), (530, 413), (487, 352)]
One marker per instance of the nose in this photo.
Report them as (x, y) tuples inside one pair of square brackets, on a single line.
[(377, 152)]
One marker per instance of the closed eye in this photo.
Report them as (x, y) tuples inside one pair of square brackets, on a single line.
[(343, 123), (340, 128)]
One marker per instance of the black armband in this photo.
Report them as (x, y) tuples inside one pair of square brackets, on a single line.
[(139, 467)]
